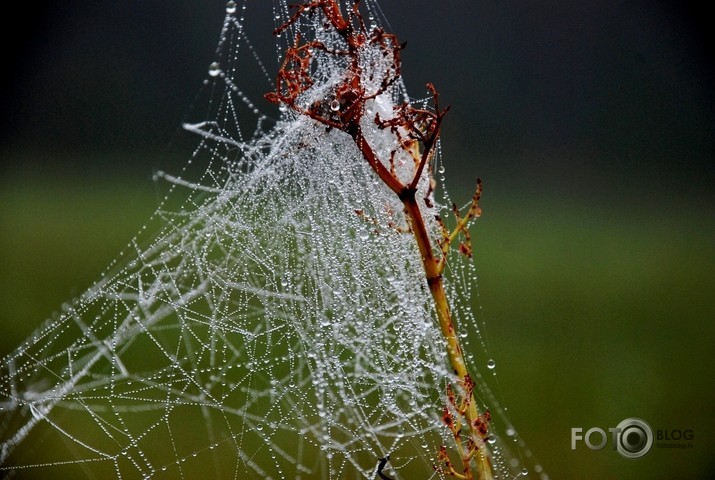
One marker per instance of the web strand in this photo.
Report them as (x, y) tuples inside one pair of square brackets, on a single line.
[(271, 320)]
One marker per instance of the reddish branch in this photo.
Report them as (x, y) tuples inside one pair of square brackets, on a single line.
[(417, 132)]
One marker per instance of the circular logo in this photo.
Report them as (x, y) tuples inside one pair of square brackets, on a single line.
[(634, 438)]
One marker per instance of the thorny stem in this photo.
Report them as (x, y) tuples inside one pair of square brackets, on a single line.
[(411, 127)]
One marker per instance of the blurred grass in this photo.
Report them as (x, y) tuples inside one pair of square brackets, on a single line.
[(600, 313), (592, 314), (59, 232)]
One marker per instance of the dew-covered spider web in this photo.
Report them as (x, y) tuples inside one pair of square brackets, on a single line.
[(271, 320)]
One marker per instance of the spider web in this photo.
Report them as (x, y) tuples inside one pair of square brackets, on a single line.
[(267, 323)]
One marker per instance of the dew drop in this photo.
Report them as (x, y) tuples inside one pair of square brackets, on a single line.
[(441, 169), (214, 69), (259, 427), (335, 105), (491, 439), (231, 7), (524, 472), (491, 364)]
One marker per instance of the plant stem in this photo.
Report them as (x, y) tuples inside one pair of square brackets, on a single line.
[(412, 126), (433, 274), (446, 323)]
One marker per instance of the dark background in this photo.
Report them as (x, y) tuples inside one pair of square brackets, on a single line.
[(571, 94), (590, 122)]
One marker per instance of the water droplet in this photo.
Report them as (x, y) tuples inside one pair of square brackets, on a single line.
[(214, 69), (231, 7), (259, 427), (524, 472), (491, 364), (335, 105), (492, 439), (441, 169)]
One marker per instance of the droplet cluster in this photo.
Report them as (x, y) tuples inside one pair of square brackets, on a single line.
[(271, 320)]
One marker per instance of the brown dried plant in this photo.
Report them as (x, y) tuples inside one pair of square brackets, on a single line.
[(417, 132)]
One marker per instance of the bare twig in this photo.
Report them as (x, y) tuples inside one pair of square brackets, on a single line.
[(417, 133)]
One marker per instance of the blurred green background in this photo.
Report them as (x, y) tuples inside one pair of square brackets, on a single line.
[(591, 124)]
